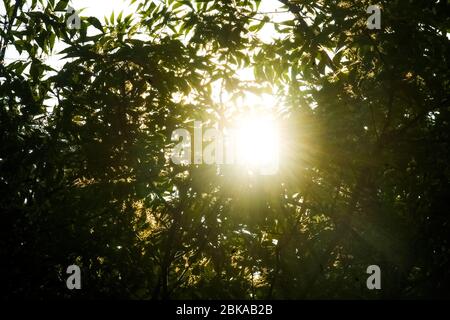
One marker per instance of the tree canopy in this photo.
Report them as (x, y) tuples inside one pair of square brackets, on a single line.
[(85, 176)]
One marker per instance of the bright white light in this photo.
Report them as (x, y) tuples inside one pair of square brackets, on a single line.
[(258, 144)]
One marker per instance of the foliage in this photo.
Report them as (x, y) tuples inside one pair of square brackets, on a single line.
[(85, 179)]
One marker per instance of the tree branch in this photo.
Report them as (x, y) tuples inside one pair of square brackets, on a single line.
[(8, 31)]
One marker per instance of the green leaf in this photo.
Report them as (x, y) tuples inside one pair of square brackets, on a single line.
[(62, 5), (96, 23)]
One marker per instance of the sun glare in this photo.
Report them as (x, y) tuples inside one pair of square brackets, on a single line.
[(258, 143)]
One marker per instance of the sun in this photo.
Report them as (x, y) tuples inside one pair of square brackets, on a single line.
[(257, 143)]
